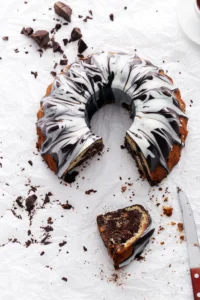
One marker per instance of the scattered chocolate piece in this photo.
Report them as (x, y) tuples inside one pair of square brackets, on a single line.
[(5, 38), (173, 223), (65, 41), (70, 177), (81, 46), (111, 17), (44, 240), (168, 211), (182, 237), (80, 16), (16, 50), (64, 278), (180, 227), (76, 34), (27, 243), (125, 7), (58, 26), (64, 56), (62, 243), (29, 232), (46, 199), (30, 162), (42, 253), (41, 37), (63, 10), (66, 205), (55, 65), (53, 73), (90, 191), (80, 55), (47, 228), (56, 47), (162, 243), (90, 11), (49, 220), (122, 147), (84, 248), (19, 201), (65, 23), (30, 202), (63, 62), (86, 18), (27, 31), (34, 73), (123, 189)]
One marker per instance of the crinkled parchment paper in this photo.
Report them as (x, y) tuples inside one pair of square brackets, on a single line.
[(151, 29)]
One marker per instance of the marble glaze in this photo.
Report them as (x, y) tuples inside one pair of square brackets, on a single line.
[(104, 78)]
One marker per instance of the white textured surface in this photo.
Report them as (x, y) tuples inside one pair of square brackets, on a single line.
[(23, 275)]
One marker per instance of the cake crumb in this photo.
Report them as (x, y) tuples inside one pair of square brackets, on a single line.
[(180, 227), (173, 223), (182, 237), (162, 243), (168, 211)]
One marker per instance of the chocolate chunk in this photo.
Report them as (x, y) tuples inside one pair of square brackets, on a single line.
[(41, 37), (112, 17), (81, 46), (65, 41), (63, 10), (56, 47), (34, 73), (64, 278), (63, 62), (19, 201), (30, 202), (53, 73), (30, 162), (5, 38), (27, 31), (76, 34)]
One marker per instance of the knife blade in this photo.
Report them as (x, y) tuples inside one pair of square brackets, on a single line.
[(192, 242)]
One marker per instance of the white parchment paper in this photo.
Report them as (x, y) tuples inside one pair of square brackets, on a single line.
[(151, 29)]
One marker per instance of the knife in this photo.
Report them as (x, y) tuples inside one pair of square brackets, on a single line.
[(192, 242)]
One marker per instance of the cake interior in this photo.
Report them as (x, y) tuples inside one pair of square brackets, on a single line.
[(122, 228)]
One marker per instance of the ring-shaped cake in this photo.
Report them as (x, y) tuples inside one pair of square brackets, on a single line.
[(159, 127)]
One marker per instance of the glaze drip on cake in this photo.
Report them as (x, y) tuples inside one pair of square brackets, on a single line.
[(155, 107)]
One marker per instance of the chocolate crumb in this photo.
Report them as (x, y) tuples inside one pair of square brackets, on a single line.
[(66, 205), (80, 55), (19, 201), (122, 147), (63, 62), (90, 191), (182, 237), (34, 73), (123, 189), (62, 243), (173, 223), (49, 220), (5, 38), (47, 228), (30, 202), (84, 248), (65, 41), (42, 253), (111, 17), (56, 47), (46, 199), (29, 232), (162, 243), (30, 162), (53, 73), (81, 46), (64, 278), (58, 26), (80, 16), (28, 243), (90, 11)]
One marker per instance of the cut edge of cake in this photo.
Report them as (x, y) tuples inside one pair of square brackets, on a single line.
[(125, 252)]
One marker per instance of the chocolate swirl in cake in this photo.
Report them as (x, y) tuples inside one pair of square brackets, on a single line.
[(105, 78)]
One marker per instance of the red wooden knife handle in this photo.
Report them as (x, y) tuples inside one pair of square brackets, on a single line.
[(195, 275)]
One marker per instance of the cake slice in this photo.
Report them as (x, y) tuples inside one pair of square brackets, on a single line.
[(125, 233)]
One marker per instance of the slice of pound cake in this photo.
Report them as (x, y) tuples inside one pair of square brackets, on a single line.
[(125, 233)]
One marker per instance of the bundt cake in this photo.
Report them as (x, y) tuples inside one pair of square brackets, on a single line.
[(125, 233), (159, 127)]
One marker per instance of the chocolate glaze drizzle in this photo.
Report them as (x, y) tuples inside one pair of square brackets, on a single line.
[(110, 78)]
